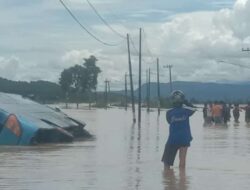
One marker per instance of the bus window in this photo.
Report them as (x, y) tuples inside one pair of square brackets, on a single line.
[(13, 124)]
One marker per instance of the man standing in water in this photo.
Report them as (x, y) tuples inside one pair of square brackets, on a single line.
[(247, 113), (236, 113), (179, 131)]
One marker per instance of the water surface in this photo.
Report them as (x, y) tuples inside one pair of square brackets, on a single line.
[(123, 156)]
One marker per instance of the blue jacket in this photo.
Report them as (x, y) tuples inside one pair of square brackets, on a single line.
[(179, 129)]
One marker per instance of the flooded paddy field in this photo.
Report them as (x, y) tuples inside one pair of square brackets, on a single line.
[(123, 156)]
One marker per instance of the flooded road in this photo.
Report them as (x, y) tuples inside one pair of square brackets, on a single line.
[(123, 156)]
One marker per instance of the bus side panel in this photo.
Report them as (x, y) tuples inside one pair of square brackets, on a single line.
[(7, 137)]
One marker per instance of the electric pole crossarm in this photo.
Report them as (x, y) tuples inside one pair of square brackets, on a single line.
[(247, 49)]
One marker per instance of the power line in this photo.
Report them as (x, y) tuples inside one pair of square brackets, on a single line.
[(234, 64), (104, 21), (147, 47), (84, 28), (137, 52), (133, 44)]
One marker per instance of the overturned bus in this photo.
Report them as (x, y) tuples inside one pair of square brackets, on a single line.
[(24, 122)]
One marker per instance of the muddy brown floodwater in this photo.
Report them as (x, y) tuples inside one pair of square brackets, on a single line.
[(123, 156)]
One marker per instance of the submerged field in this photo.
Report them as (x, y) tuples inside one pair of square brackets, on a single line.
[(125, 156)]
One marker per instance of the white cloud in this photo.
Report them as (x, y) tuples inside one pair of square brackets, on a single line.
[(113, 68), (9, 67), (192, 42), (74, 57), (13, 68)]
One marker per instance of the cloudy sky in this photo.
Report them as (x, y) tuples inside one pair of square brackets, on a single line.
[(38, 38)]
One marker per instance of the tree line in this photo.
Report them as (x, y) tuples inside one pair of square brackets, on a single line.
[(40, 91), (76, 84)]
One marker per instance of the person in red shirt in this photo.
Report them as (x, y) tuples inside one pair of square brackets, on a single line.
[(217, 113)]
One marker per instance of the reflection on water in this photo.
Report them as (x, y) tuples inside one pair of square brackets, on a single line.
[(138, 143), (157, 133), (173, 182), (127, 156)]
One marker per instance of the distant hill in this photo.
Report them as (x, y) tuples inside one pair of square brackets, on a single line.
[(44, 91), (38, 90), (203, 91)]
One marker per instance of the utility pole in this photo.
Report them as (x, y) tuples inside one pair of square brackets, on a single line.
[(147, 85), (126, 93), (131, 80), (108, 92), (158, 87), (170, 77), (107, 89), (95, 96), (139, 95), (90, 99), (67, 99), (148, 89)]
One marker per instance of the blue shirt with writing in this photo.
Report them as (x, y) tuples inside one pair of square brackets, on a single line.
[(179, 129)]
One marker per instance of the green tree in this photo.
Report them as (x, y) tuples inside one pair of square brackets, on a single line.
[(78, 76), (80, 79), (92, 72), (65, 80)]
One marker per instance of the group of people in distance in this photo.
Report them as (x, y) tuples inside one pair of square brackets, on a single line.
[(180, 137), (220, 112)]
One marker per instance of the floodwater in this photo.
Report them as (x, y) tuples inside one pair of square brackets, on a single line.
[(123, 156)]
